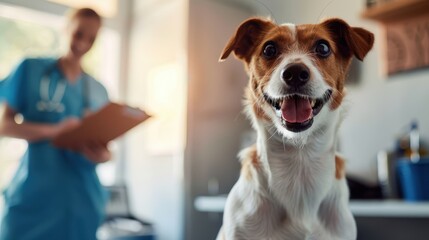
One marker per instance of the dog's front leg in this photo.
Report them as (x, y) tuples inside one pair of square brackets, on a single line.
[(335, 216)]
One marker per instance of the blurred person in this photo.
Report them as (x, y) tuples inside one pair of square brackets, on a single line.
[(55, 193)]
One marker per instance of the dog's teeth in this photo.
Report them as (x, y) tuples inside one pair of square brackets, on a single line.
[(313, 102)]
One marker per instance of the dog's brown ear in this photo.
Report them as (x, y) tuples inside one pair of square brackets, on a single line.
[(247, 36), (350, 40)]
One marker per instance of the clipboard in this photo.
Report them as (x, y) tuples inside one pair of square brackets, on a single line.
[(110, 122)]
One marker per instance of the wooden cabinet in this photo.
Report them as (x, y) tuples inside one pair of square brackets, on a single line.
[(405, 27)]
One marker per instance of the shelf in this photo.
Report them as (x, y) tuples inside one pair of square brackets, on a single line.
[(361, 208), (396, 10), (389, 208)]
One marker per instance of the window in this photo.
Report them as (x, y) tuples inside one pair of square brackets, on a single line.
[(26, 33)]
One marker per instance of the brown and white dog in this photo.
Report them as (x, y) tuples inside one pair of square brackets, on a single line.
[(292, 183)]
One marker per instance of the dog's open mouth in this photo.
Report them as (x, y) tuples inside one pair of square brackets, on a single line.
[(297, 111)]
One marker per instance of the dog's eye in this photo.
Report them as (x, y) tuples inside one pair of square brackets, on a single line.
[(322, 49), (270, 50)]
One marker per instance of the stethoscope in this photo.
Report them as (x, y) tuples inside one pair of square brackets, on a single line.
[(54, 104)]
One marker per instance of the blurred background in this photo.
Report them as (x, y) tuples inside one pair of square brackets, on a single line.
[(162, 56)]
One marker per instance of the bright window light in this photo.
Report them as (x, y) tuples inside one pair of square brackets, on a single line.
[(167, 97), (106, 8)]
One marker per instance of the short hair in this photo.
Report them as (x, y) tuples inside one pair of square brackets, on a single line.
[(84, 12)]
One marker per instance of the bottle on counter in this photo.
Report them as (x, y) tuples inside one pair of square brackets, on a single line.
[(414, 140)]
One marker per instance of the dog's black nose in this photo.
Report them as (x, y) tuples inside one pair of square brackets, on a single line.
[(296, 75)]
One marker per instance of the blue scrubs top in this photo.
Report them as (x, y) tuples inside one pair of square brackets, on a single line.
[(55, 193)]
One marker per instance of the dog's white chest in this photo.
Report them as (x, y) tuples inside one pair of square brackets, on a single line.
[(300, 182)]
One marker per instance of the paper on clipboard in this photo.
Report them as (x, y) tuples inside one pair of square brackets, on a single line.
[(103, 126)]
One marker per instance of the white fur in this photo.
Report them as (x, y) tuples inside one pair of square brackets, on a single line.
[(292, 29)]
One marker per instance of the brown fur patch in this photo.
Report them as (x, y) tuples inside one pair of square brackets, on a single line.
[(247, 36), (340, 171), (255, 101), (249, 161)]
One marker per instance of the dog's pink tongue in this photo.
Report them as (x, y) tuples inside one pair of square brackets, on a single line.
[(296, 109)]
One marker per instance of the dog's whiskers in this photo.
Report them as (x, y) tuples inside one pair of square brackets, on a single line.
[(275, 132), (283, 141), (318, 18)]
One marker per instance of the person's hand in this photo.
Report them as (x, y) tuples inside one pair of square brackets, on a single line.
[(65, 125), (96, 152)]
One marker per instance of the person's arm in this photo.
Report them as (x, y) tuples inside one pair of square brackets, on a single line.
[(30, 131)]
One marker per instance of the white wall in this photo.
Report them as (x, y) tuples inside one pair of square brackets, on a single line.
[(379, 107), (154, 163)]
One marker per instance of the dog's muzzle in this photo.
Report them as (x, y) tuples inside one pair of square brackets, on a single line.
[(297, 111)]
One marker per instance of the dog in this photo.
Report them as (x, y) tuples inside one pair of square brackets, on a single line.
[(292, 182)]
